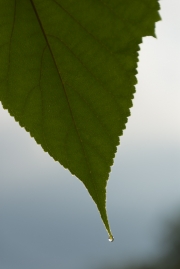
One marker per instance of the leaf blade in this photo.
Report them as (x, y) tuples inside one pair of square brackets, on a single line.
[(75, 91)]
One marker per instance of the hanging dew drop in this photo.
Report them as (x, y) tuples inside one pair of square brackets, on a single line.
[(111, 238)]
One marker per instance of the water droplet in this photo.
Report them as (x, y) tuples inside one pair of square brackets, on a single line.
[(111, 238)]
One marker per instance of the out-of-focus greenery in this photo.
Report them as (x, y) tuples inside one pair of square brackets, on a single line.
[(170, 259)]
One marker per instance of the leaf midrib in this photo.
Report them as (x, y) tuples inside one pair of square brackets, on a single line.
[(67, 99)]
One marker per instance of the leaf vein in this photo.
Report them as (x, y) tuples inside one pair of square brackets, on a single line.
[(96, 39), (88, 70)]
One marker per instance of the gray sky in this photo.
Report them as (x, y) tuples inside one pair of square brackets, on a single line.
[(47, 218)]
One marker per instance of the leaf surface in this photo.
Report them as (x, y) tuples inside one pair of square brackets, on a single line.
[(67, 75)]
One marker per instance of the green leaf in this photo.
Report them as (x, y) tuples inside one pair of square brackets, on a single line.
[(67, 75)]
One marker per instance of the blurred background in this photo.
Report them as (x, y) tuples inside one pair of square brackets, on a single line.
[(47, 218)]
